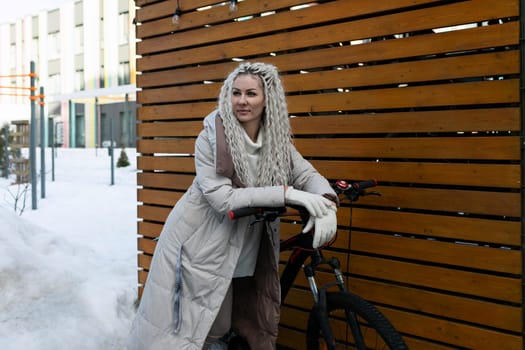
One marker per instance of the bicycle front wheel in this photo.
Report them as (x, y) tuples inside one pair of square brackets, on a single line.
[(352, 321)]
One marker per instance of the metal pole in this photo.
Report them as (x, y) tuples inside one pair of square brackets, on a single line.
[(127, 118), (42, 146), (32, 141), (6, 151), (111, 149), (52, 137), (97, 127)]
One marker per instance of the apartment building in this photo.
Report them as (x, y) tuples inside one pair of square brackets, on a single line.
[(84, 58)]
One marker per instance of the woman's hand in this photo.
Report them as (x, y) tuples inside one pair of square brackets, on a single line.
[(316, 204), (325, 228)]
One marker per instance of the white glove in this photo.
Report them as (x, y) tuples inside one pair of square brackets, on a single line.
[(325, 228), (316, 204)]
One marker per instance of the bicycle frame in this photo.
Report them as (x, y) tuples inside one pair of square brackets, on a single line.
[(300, 245)]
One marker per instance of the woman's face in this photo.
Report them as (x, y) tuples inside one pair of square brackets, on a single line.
[(248, 99)]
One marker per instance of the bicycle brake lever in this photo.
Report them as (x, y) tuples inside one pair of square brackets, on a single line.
[(375, 193)]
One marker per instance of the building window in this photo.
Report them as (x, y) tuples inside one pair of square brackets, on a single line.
[(123, 27), (53, 45), (79, 39), (79, 80), (101, 78), (12, 56), (34, 49), (123, 73), (53, 84)]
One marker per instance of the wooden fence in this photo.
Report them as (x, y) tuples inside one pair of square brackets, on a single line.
[(377, 89)]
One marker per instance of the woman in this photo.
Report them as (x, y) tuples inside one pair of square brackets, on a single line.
[(209, 273)]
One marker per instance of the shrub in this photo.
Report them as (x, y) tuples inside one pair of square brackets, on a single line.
[(123, 160)]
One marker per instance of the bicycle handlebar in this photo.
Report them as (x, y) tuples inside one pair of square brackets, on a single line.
[(247, 211), (352, 191)]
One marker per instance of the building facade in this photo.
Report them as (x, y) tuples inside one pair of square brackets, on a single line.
[(84, 56)]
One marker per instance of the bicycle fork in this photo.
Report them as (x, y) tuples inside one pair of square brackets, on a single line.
[(320, 303)]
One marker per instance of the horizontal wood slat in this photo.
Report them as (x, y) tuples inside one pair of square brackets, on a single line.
[(497, 148), (459, 120), (181, 146), (459, 94), (166, 181), (169, 163), (506, 233), (468, 283), (487, 175), (449, 253)]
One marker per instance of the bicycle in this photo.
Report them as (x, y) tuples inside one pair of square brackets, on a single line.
[(365, 326)]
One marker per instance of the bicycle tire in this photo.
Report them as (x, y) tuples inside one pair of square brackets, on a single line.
[(376, 328)]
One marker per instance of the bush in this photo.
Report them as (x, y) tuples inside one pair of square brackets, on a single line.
[(123, 160)]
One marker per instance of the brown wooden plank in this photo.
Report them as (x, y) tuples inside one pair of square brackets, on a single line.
[(450, 332), (142, 276), (167, 181), (196, 110), (470, 283), (461, 67), (464, 229), (159, 197), (169, 129), (467, 174), (146, 245), (343, 56), (456, 13), (166, 163), (432, 251), (460, 120), (505, 204), (450, 306), (177, 146), (153, 213), (291, 337), (144, 261), (439, 95), (149, 229), (179, 93), (494, 148)]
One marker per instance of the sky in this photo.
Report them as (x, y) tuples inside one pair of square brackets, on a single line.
[(10, 13), (68, 270)]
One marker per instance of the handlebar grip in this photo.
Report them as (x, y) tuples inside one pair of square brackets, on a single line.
[(365, 184), (239, 213)]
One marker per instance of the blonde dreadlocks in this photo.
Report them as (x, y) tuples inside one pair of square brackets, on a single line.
[(274, 167)]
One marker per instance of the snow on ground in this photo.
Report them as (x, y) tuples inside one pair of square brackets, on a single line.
[(68, 275)]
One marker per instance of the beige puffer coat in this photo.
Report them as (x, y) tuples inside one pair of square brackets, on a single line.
[(198, 250)]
